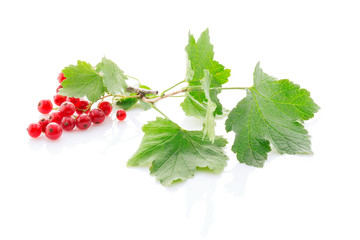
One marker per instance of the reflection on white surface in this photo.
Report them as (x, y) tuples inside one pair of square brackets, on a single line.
[(113, 137)]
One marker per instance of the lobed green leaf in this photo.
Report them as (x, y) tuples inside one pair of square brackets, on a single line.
[(82, 80), (271, 113), (200, 57), (174, 153), (113, 77)]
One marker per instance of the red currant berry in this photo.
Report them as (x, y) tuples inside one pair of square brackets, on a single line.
[(61, 77), (53, 131), (73, 100), (82, 106), (45, 106), (56, 117), (59, 99), (34, 130), (106, 107), (57, 89), (68, 123), (43, 123), (83, 121), (67, 109), (97, 116), (121, 115)]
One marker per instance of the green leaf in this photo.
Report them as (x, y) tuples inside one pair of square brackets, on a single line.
[(200, 54), (146, 106), (174, 153), (271, 112), (193, 108), (113, 77), (220, 77), (220, 74), (189, 72), (127, 103), (201, 57), (209, 121), (204, 111), (82, 80)]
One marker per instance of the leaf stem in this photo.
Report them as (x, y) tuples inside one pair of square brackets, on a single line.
[(133, 78), (154, 107), (229, 88), (199, 88), (162, 94), (184, 95), (110, 95)]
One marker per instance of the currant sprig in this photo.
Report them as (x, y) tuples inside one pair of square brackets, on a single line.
[(270, 116)]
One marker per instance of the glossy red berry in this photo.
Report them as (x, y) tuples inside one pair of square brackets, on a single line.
[(59, 99), (97, 116), (73, 100), (34, 130), (43, 123), (61, 77), (56, 117), (45, 106), (68, 123), (81, 106), (57, 89), (53, 131), (83, 121), (120, 115), (67, 109), (106, 107)]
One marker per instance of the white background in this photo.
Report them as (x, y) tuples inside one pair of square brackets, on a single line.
[(79, 186)]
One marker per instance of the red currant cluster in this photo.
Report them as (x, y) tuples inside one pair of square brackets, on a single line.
[(64, 117)]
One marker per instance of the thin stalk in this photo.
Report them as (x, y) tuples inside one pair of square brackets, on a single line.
[(154, 100), (132, 96), (179, 96), (154, 107), (229, 88), (162, 94), (199, 88), (134, 78)]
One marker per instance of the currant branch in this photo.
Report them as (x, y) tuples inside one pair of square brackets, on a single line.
[(152, 101), (271, 113), (163, 93), (143, 92)]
